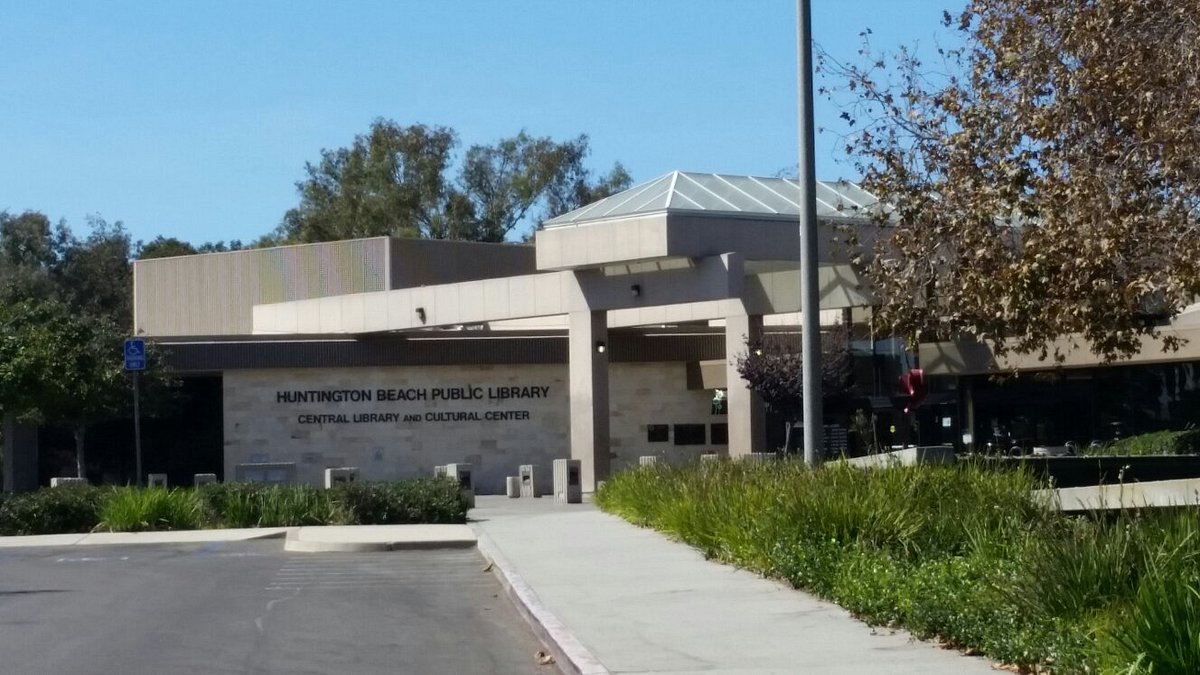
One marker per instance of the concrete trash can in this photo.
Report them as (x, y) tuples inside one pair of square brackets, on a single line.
[(528, 486), (462, 474), (341, 474), (568, 483)]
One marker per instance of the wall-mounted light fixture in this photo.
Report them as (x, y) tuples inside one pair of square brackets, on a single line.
[(421, 314), (636, 290), (601, 347)]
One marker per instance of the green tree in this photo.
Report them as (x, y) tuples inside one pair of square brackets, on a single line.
[(395, 181), (65, 307), (170, 247), (1045, 182), (60, 367), (390, 181), (164, 247), (94, 276), (30, 253)]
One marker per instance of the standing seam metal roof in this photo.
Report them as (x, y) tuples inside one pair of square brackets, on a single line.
[(716, 193)]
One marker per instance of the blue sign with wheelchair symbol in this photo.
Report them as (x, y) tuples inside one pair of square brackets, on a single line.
[(135, 354)]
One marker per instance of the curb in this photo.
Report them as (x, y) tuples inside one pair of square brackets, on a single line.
[(298, 546), (162, 537), (369, 540), (569, 653)]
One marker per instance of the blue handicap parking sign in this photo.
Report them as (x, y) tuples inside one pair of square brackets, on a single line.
[(135, 354)]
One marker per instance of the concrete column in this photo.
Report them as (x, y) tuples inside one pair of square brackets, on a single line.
[(588, 352), (747, 419), (20, 456), (966, 387)]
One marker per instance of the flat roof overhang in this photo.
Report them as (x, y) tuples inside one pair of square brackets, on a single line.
[(209, 355), (702, 290), (959, 358)]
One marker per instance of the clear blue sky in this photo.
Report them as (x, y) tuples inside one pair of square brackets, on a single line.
[(194, 119)]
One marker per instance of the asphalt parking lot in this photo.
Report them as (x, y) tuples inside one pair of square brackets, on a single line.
[(248, 607)]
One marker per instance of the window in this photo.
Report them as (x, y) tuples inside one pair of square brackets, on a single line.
[(720, 434), (657, 433), (690, 434)]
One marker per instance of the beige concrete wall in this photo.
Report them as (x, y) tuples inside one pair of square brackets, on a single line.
[(660, 235), (260, 428), (214, 294)]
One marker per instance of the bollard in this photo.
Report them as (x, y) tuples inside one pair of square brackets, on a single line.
[(462, 473), (512, 486), (568, 487), (342, 474), (155, 480), (528, 487), (203, 479), (67, 481)]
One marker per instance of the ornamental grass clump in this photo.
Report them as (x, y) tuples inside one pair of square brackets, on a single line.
[(261, 505), (959, 553), (142, 510), (423, 500)]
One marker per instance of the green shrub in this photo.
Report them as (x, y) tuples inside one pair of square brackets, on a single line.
[(139, 510), (1186, 442), (424, 500), (52, 510), (84, 508), (960, 553)]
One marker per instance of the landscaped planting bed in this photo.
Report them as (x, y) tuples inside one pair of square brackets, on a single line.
[(961, 554), (129, 509)]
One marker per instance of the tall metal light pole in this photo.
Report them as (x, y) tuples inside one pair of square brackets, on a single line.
[(810, 309)]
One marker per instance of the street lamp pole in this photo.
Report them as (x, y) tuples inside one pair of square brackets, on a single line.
[(810, 308)]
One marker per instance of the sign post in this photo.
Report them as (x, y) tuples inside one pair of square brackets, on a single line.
[(135, 362)]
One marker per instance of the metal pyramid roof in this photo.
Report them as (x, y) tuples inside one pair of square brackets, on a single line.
[(681, 191)]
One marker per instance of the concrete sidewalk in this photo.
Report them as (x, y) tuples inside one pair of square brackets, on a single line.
[(628, 600)]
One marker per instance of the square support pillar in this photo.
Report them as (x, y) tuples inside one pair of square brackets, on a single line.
[(588, 351), (747, 418)]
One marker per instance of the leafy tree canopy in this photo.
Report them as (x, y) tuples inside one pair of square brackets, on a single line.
[(40, 261), (395, 181), (65, 307), (1044, 181), (169, 247)]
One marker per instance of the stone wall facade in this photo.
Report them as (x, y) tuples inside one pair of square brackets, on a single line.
[(395, 423)]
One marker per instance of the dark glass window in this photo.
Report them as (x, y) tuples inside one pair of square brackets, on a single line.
[(657, 433), (690, 434), (720, 434)]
